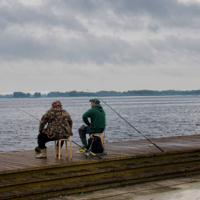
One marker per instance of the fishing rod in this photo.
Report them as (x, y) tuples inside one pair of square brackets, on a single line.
[(87, 151), (71, 140), (129, 123)]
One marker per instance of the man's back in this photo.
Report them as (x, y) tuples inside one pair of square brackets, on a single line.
[(97, 116), (59, 122)]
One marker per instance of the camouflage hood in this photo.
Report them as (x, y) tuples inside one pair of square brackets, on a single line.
[(56, 104)]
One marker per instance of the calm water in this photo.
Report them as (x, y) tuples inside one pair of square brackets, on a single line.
[(152, 116)]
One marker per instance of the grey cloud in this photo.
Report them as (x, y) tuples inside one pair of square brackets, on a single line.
[(189, 44), (159, 8), (171, 13), (153, 28), (177, 44), (88, 47), (42, 15)]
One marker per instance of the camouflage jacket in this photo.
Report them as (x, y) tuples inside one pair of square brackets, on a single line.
[(59, 122)]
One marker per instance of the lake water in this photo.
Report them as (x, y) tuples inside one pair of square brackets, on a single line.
[(153, 116)]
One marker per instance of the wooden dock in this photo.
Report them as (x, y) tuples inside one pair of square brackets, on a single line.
[(24, 177)]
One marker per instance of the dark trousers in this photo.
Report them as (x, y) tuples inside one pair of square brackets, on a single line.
[(82, 134), (43, 139)]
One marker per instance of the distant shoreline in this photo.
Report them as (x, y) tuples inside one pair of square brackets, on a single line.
[(104, 93)]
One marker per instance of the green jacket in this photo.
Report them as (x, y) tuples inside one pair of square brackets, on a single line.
[(97, 117)]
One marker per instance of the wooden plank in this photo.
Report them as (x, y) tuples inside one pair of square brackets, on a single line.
[(26, 159)]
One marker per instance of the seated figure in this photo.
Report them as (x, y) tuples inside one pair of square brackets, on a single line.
[(59, 126), (97, 122)]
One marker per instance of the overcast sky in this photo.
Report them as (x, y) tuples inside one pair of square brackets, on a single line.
[(121, 45)]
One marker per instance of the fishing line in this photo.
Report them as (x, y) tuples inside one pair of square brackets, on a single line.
[(28, 114), (129, 123)]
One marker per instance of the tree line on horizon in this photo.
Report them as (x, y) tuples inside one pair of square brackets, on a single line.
[(102, 93)]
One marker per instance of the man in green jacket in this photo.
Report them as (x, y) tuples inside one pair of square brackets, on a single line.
[(97, 121)]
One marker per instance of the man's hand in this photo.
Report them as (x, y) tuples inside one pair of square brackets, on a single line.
[(44, 131)]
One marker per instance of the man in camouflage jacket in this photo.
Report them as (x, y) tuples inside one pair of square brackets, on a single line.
[(59, 127)]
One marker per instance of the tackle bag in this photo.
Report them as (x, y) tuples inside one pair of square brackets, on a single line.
[(95, 144)]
